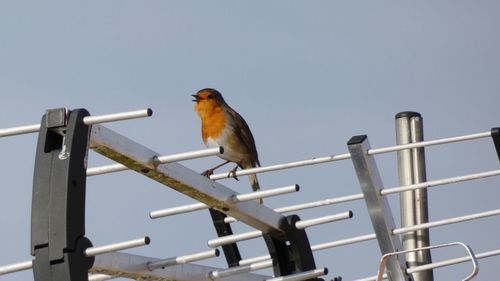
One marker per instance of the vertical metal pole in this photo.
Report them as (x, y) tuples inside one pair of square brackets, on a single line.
[(405, 170), (414, 207)]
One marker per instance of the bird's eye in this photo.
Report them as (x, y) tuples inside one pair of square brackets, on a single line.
[(210, 97)]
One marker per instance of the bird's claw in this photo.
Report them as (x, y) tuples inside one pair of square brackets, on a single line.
[(232, 174), (208, 173)]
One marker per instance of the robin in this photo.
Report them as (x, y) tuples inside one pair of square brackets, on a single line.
[(223, 126)]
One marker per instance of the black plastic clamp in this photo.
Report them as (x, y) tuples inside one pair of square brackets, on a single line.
[(292, 252), (58, 237), (231, 251), (495, 135)]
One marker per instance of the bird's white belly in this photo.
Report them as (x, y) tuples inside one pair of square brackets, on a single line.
[(210, 143), (229, 153)]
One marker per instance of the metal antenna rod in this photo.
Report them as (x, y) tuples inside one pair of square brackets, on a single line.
[(299, 225), (385, 191), (372, 236), (89, 252), (345, 156), (89, 120), (240, 197)]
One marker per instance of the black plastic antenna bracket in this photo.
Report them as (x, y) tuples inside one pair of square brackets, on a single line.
[(231, 251), (291, 253), (58, 237), (495, 135)]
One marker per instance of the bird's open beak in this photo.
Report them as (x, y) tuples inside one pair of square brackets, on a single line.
[(196, 99)]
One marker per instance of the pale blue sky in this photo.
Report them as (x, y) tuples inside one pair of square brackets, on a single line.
[(306, 75)]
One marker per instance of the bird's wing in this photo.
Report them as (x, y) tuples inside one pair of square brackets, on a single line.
[(244, 134)]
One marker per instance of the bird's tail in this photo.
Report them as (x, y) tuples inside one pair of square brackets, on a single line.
[(254, 182)]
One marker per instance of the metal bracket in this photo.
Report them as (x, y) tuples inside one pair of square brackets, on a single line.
[(118, 264), (473, 258), (495, 135), (378, 206), (58, 205), (292, 252), (231, 251)]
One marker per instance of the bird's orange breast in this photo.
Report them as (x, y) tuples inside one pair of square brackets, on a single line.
[(213, 123)]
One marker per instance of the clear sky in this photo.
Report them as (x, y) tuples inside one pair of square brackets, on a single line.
[(306, 75)]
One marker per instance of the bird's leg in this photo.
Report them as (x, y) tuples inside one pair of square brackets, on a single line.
[(210, 172), (232, 173)]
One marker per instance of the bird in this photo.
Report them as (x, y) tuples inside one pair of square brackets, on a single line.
[(223, 126)]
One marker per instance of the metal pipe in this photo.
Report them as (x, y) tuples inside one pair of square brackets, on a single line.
[(7, 132), (421, 203), (388, 149), (183, 259), (89, 252), (94, 251), (319, 247), (283, 166), (302, 276), (446, 221), (440, 182), (99, 119), (20, 266), (229, 239), (320, 203), (385, 191), (372, 236), (218, 274), (315, 204), (254, 260), (267, 193), (453, 261), (343, 242), (322, 220), (413, 203), (240, 197), (405, 172), (402, 230), (346, 156), (177, 210), (101, 277), (89, 120), (406, 229), (106, 169)]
